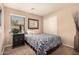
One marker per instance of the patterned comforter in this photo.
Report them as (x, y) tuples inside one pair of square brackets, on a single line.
[(43, 42)]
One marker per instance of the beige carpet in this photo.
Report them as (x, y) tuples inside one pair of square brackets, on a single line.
[(65, 50), (26, 50), (22, 50)]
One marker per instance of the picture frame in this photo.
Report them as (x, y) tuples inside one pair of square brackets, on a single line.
[(17, 23), (33, 23)]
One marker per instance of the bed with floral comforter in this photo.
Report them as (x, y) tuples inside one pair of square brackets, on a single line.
[(43, 42)]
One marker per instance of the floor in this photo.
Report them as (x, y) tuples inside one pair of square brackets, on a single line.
[(22, 50), (26, 50), (65, 50)]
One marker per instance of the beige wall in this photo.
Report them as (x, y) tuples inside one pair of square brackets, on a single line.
[(9, 11), (66, 25)]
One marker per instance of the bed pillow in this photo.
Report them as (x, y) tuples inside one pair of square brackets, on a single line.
[(33, 33)]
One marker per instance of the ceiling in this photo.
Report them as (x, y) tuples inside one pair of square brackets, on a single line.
[(41, 9)]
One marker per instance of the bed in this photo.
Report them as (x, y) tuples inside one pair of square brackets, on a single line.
[(43, 42)]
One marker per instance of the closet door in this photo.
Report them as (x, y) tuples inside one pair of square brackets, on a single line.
[(50, 24)]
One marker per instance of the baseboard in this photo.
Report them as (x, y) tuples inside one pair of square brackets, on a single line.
[(68, 45)]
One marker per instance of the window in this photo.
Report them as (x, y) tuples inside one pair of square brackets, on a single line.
[(17, 24)]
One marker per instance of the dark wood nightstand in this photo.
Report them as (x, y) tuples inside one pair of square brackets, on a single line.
[(18, 40)]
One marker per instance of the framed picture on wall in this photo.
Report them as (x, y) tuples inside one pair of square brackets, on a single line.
[(17, 24), (33, 24)]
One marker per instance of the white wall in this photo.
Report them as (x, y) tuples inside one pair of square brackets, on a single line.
[(50, 24), (1, 30)]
